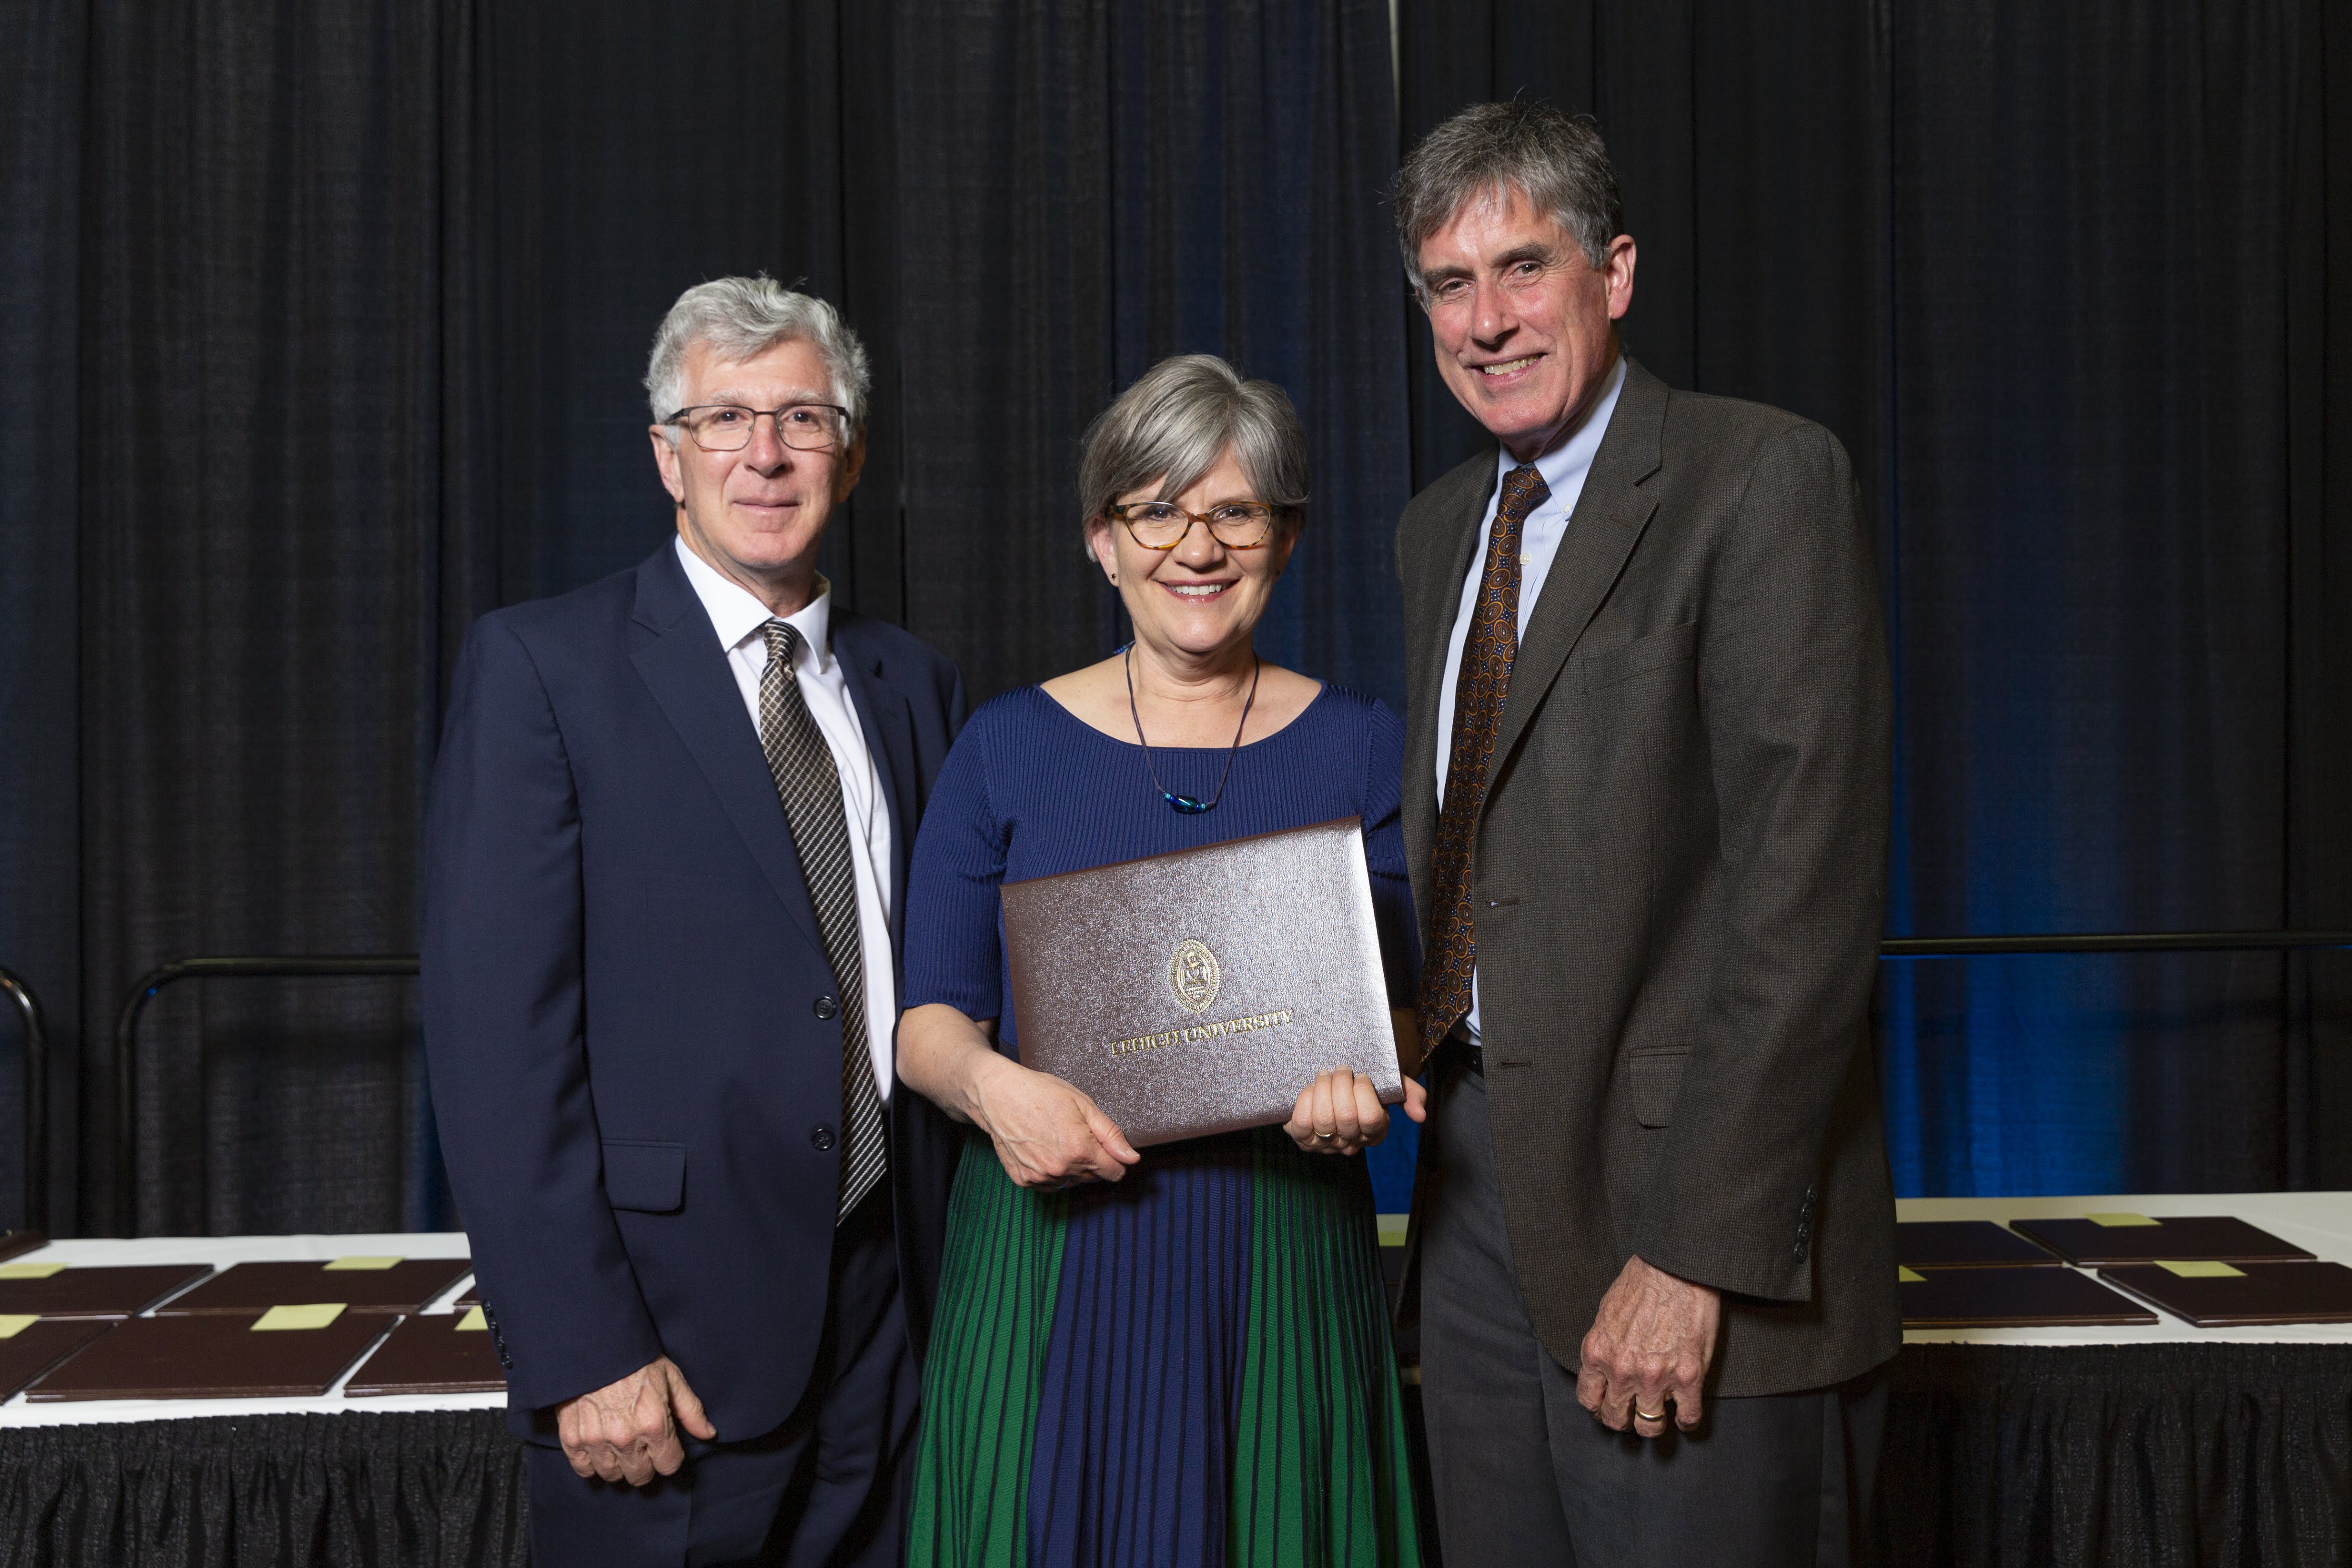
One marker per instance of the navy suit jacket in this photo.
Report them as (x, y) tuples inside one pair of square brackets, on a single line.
[(629, 1022)]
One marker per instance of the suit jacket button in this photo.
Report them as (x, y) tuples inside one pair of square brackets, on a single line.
[(826, 1007), (821, 1139)]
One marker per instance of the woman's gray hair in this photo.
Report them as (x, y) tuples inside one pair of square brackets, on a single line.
[(1557, 160), (743, 317), (1178, 419)]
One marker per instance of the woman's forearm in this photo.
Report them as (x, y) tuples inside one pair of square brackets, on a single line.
[(941, 1054)]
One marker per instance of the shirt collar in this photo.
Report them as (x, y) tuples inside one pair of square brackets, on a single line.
[(1564, 467), (737, 616)]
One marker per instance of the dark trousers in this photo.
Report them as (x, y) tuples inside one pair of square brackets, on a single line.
[(822, 1490), (1522, 1473)]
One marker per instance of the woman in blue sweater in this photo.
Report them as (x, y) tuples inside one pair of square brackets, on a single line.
[(1182, 1357)]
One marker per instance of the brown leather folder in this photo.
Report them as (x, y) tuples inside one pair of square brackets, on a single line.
[(105, 1290), (1966, 1244), (2013, 1298), (38, 1347), (2221, 1237), (430, 1355), (16, 1243), (1200, 992), (215, 1355), (2261, 1293), (257, 1287)]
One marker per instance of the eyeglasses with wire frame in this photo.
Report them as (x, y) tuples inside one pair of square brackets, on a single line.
[(727, 426), (1164, 525)]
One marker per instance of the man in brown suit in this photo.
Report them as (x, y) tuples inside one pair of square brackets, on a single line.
[(1646, 799)]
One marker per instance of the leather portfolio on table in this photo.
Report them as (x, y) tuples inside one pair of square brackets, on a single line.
[(364, 1284), (107, 1290), (2012, 1299), (212, 1356), (15, 1243), (1200, 992), (2139, 1238), (40, 1345), (1966, 1244), (431, 1355), (2216, 1295)]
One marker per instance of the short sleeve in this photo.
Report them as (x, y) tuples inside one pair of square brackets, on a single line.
[(1383, 813), (953, 953)]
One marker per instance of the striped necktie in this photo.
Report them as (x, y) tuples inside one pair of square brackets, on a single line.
[(808, 781), (1486, 680)]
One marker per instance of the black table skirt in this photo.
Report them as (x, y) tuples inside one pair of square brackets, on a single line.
[(361, 1490), (2213, 1454), (2177, 1455)]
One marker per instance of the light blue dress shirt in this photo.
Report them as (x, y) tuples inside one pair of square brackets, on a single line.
[(1563, 468)]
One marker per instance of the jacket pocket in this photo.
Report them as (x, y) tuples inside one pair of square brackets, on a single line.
[(1657, 1080), (1641, 656), (647, 1177)]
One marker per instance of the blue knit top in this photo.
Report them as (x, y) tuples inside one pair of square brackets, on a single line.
[(1031, 790)]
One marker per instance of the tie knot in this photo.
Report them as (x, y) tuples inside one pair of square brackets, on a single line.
[(1524, 489), (783, 641)]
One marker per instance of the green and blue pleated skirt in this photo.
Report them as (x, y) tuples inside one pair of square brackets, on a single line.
[(1186, 1369)]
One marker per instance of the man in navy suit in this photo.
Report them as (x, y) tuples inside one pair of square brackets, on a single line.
[(669, 832)]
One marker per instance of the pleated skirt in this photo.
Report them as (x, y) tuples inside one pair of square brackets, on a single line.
[(1191, 1368)]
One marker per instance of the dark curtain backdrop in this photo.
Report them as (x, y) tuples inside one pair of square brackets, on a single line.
[(323, 335), (2071, 282), (320, 335)]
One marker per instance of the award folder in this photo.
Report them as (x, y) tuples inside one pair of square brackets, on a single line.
[(430, 1355), (2136, 1238), (40, 1345), (382, 1285), (16, 1243), (1966, 1244), (212, 1356), (2012, 1299), (2215, 1295), (1200, 992), (104, 1291)]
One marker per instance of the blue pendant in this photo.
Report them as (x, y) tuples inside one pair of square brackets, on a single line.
[(1186, 803)]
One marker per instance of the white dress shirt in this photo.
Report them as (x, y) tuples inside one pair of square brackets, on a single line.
[(1563, 468), (737, 617)]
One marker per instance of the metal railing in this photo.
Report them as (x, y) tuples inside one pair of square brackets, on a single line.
[(1906, 947), (361, 966), (356, 966), (36, 1101)]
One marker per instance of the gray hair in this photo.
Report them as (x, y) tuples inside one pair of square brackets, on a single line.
[(1178, 419), (743, 317), (1557, 160)]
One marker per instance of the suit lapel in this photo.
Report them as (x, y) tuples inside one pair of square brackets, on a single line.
[(890, 725), (685, 670), (1610, 513)]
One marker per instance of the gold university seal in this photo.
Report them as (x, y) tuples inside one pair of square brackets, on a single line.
[(1193, 975)]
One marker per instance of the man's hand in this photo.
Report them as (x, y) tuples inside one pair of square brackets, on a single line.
[(1650, 1345), (623, 1432)]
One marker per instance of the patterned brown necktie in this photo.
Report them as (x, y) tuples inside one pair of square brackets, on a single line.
[(1487, 650), (808, 781)]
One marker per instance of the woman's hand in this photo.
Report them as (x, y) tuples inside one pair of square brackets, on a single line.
[(1048, 1133), (1340, 1113)]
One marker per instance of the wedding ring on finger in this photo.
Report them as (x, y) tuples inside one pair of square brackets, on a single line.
[(1645, 1416)]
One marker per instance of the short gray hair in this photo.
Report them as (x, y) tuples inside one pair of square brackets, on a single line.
[(743, 317), (1557, 160), (1178, 419)]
